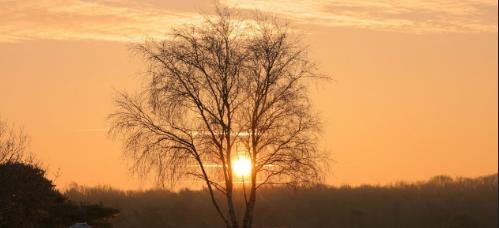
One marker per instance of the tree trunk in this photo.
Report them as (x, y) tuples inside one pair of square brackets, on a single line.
[(248, 215), (250, 206), (232, 211)]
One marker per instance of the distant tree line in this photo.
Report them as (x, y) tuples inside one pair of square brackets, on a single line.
[(442, 202)]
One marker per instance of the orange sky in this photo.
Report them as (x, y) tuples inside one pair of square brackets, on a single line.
[(415, 90)]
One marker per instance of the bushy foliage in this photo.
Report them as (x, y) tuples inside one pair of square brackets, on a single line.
[(440, 202), (29, 199)]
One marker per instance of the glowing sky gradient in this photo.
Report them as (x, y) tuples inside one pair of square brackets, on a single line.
[(414, 95)]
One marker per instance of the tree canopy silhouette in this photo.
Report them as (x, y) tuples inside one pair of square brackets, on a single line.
[(218, 91), (29, 199)]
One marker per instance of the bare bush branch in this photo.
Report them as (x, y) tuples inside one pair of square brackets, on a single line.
[(13, 144)]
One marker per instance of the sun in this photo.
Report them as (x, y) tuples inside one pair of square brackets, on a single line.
[(242, 167)]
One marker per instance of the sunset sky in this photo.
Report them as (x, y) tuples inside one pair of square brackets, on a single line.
[(414, 92)]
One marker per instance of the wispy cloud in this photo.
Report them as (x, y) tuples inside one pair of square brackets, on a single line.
[(79, 19), (416, 16), (132, 20)]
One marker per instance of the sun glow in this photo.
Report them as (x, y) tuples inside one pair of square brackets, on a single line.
[(242, 167)]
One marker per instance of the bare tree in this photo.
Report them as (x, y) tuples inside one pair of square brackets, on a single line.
[(217, 91), (13, 144)]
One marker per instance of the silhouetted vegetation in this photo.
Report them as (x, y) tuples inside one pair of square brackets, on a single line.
[(29, 199), (439, 202)]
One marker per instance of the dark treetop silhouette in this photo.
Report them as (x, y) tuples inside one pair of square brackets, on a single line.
[(224, 89)]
